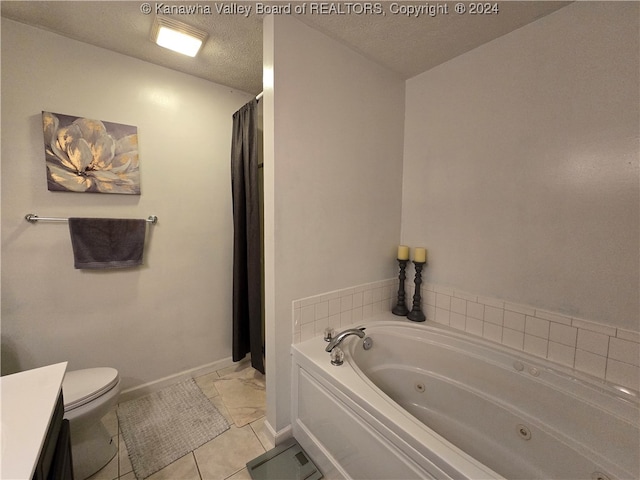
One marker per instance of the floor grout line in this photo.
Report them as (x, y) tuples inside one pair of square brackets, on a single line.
[(195, 460)]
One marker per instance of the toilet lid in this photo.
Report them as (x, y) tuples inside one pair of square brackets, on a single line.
[(82, 386)]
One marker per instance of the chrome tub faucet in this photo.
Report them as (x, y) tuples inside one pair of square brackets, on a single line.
[(337, 340)]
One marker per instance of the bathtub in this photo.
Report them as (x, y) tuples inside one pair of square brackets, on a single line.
[(429, 402)]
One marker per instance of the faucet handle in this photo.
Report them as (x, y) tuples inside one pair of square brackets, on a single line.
[(337, 356), (329, 332)]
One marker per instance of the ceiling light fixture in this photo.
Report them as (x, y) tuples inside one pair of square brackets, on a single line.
[(177, 36)]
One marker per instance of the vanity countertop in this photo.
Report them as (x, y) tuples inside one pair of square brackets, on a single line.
[(28, 400)]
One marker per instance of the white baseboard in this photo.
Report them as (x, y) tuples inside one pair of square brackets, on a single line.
[(280, 436), (150, 387)]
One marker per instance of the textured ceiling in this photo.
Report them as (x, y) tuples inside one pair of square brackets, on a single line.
[(232, 55)]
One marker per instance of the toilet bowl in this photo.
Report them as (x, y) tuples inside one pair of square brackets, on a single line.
[(89, 394)]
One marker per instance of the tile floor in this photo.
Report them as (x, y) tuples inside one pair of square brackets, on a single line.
[(238, 392)]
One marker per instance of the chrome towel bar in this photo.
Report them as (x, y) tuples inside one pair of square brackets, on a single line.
[(33, 218)]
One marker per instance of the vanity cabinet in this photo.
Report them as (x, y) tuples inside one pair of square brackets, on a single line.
[(62, 466), (54, 462), (36, 442)]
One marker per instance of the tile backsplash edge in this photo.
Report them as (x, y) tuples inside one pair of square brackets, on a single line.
[(606, 352)]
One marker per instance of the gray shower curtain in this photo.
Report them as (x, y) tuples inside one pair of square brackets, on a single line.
[(247, 288)]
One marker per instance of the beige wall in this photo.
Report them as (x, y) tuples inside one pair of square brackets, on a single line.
[(521, 166), (333, 179), (520, 175), (174, 313)]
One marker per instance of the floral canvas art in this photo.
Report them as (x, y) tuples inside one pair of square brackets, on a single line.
[(85, 155)]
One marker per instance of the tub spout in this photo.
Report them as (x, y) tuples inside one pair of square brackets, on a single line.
[(337, 340)]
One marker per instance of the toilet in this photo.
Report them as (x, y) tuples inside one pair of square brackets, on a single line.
[(89, 394)]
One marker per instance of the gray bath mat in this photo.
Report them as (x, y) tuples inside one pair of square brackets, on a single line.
[(166, 425)]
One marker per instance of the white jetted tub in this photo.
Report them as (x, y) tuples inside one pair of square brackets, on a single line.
[(428, 402)]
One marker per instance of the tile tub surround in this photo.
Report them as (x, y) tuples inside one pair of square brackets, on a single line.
[(341, 308), (606, 352)]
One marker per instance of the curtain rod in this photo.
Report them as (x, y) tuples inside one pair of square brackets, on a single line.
[(33, 218), (259, 96)]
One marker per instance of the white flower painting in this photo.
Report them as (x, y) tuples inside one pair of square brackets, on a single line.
[(84, 155)]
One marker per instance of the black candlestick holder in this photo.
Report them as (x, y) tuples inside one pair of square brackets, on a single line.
[(400, 308), (416, 314)]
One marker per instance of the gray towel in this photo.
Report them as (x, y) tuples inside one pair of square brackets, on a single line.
[(107, 242)]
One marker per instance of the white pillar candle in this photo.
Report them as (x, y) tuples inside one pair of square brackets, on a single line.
[(403, 252), (420, 255)]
